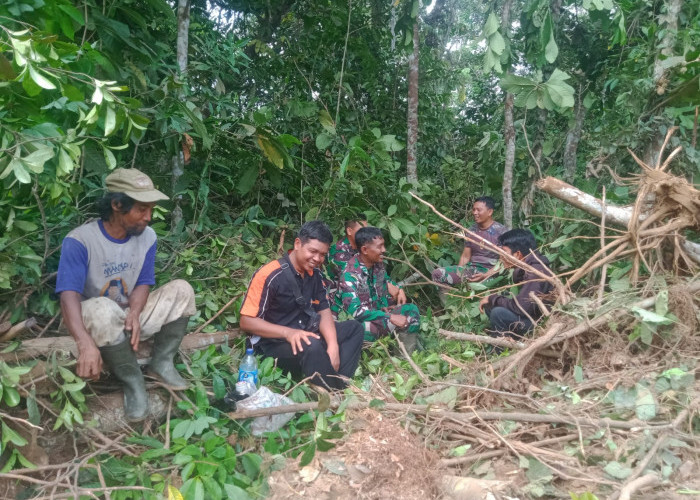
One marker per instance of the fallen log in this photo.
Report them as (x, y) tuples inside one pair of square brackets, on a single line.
[(483, 339), (614, 214), (467, 416), (34, 348)]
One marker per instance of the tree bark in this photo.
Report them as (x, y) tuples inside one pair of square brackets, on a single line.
[(572, 140), (508, 132), (669, 23), (412, 118), (178, 160), (509, 137)]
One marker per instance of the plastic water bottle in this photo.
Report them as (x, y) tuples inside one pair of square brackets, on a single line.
[(248, 369)]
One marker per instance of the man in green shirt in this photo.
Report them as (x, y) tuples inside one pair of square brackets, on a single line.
[(364, 293)]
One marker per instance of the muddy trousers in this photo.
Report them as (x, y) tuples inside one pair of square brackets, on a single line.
[(104, 319), (314, 358), (505, 323)]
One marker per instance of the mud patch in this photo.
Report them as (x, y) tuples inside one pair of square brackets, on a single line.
[(378, 459)]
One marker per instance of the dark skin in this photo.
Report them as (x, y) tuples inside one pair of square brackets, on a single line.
[(483, 216), (305, 258), (119, 226), (373, 253)]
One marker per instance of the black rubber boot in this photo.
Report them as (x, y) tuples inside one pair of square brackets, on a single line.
[(165, 345), (121, 361)]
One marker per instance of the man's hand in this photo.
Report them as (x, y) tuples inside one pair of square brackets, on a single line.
[(334, 355), (89, 361), (297, 338), (132, 324), (483, 302), (400, 297), (477, 277), (399, 320)]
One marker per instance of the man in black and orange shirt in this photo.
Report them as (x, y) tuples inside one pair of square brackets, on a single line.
[(286, 311)]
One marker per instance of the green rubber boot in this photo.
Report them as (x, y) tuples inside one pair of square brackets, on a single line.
[(121, 361), (165, 345)]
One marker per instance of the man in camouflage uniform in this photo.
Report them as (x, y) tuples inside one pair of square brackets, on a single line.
[(345, 249), (364, 293), (476, 260)]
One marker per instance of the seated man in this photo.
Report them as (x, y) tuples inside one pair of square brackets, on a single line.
[(509, 315), (364, 293), (345, 249), (286, 311), (476, 259), (104, 278)]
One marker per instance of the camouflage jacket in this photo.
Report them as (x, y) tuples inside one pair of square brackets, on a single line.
[(363, 292), (338, 256)]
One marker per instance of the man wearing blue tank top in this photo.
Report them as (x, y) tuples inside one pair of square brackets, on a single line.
[(105, 273)]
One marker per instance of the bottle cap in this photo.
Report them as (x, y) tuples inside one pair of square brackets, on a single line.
[(249, 350)]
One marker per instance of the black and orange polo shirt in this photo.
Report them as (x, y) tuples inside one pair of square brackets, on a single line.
[(271, 297)]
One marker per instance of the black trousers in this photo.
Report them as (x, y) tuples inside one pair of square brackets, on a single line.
[(505, 323), (314, 358)]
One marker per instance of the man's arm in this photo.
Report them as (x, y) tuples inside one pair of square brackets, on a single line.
[(466, 256), (89, 358), (137, 301), (265, 329)]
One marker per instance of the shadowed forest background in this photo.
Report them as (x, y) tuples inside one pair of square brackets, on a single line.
[(256, 116)]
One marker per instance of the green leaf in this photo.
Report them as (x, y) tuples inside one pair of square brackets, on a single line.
[(40, 80), (35, 161), (247, 179), (110, 159), (391, 211), (10, 436), (110, 120), (661, 303), (33, 408), (551, 51), (323, 140), (650, 317), (491, 25), (308, 454), (645, 406), (270, 150), (326, 122), (617, 470), (394, 231), (74, 13), (578, 374), (20, 172)]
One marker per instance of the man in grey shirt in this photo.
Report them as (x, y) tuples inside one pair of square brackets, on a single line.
[(105, 273)]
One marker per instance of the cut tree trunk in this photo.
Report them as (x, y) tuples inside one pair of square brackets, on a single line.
[(44, 346), (616, 215)]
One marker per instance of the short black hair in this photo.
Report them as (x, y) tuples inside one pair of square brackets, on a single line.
[(315, 230), (518, 240), (486, 200), (367, 234), (104, 204), (355, 219)]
